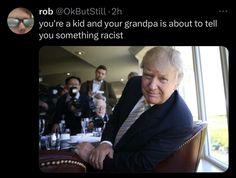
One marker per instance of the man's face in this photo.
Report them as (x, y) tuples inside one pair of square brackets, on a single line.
[(100, 108), (73, 83), (100, 74), (159, 81), (19, 21)]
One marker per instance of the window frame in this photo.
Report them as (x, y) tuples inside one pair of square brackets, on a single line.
[(201, 99)]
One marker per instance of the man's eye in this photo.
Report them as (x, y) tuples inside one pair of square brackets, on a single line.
[(148, 76), (162, 79)]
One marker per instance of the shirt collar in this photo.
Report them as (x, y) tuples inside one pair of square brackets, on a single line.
[(146, 103), (98, 82)]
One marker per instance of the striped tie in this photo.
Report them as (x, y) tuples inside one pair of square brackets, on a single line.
[(133, 116)]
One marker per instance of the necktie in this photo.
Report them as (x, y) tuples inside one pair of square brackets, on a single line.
[(133, 116)]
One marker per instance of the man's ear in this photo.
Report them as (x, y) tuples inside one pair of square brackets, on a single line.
[(177, 85)]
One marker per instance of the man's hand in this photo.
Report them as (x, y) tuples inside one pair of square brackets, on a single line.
[(98, 155), (90, 93), (84, 150)]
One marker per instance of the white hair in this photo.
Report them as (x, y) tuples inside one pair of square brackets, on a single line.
[(171, 55), (99, 96)]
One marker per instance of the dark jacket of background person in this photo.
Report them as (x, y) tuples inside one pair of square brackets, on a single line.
[(72, 122), (108, 93), (157, 133)]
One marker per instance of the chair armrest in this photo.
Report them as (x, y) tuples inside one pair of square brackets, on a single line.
[(55, 161)]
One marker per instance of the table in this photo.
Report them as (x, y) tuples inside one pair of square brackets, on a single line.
[(74, 140)]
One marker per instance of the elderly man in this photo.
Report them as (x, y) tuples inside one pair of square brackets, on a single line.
[(150, 121), (100, 118)]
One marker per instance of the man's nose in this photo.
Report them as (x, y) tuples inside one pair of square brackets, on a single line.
[(21, 25), (153, 84)]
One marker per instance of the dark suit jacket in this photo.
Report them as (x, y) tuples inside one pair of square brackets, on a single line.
[(108, 93), (157, 133), (72, 122)]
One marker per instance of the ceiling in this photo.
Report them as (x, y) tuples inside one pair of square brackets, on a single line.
[(56, 61)]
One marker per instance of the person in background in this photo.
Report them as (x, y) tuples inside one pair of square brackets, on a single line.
[(71, 107), (132, 74), (20, 20), (101, 118), (150, 121), (54, 94), (46, 106), (99, 85)]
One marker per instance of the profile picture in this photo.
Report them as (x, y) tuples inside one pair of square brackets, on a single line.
[(20, 20)]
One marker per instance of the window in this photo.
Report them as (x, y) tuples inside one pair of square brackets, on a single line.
[(215, 104), (204, 88), (187, 88)]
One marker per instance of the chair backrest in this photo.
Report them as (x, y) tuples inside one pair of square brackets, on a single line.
[(187, 157)]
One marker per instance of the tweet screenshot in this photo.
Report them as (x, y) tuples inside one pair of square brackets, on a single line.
[(122, 88)]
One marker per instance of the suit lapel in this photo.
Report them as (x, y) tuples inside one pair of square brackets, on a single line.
[(148, 119)]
